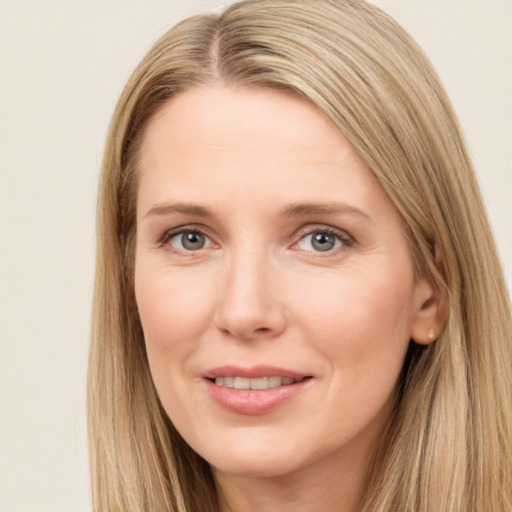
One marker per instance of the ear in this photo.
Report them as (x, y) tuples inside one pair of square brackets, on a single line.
[(430, 311)]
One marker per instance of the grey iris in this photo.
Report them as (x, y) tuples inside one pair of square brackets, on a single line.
[(192, 240), (323, 241)]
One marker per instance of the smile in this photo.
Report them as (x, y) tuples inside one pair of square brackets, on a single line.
[(261, 383), (256, 390)]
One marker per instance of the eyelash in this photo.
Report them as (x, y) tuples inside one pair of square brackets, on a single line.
[(345, 239), (169, 235), (340, 235)]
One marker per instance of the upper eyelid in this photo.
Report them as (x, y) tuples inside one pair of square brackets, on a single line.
[(165, 241), (319, 228), (170, 233), (347, 243)]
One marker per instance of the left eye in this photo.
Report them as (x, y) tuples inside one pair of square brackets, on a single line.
[(189, 240), (320, 241)]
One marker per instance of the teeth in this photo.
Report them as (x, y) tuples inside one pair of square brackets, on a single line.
[(260, 383), (274, 382), (242, 383)]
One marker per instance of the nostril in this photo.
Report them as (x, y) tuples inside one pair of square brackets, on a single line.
[(250, 318)]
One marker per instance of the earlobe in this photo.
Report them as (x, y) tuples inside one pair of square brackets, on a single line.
[(429, 315)]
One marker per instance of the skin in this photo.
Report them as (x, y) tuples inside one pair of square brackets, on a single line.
[(260, 292)]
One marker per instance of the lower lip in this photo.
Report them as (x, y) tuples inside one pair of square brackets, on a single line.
[(252, 402)]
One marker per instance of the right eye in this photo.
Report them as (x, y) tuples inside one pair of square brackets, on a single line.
[(188, 240)]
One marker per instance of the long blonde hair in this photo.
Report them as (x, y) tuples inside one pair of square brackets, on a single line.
[(450, 445)]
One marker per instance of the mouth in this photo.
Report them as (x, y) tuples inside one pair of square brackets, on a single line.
[(261, 383), (256, 390)]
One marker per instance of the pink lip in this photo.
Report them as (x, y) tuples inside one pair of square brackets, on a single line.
[(254, 402), (253, 372)]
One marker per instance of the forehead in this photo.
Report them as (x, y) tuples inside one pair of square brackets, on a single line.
[(221, 116), (242, 143)]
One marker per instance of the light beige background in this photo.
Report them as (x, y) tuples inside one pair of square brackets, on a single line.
[(63, 64)]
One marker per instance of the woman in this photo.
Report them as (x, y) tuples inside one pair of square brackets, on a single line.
[(298, 301)]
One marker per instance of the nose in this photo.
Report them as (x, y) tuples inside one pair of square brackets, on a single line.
[(250, 302)]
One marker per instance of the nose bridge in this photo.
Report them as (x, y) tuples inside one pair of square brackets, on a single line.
[(249, 305)]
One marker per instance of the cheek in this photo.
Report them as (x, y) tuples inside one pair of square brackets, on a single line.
[(169, 306), (360, 326), (173, 312), (359, 319)]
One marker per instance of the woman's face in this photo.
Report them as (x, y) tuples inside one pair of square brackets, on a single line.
[(269, 258)]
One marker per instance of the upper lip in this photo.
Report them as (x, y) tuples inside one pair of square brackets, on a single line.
[(253, 372)]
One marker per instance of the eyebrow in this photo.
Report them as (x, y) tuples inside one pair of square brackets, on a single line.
[(299, 209), (293, 210), (184, 208)]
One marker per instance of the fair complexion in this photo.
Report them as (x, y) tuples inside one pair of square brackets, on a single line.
[(268, 255)]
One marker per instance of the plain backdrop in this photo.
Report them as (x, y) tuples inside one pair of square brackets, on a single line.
[(62, 66)]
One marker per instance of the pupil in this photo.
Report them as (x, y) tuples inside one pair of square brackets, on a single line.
[(323, 241), (193, 241)]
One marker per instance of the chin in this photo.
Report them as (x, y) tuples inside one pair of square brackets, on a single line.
[(266, 457), (256, 466)]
